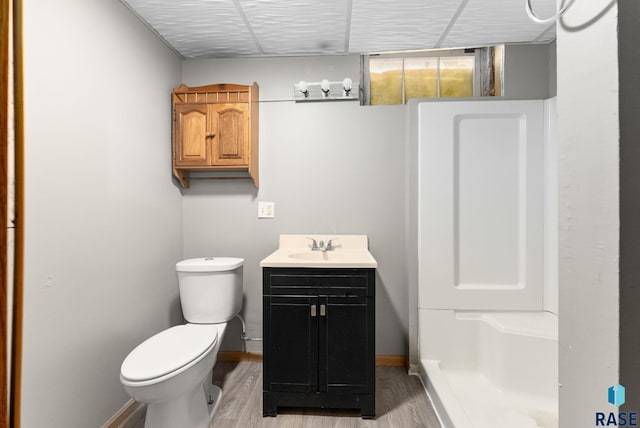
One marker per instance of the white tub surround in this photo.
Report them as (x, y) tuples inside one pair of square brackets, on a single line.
[(481, 205), (346, 251), (491, 369), (487, 350)]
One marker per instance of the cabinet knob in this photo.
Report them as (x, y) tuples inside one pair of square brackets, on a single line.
[(210, 135), (313, 310), (323, 310)]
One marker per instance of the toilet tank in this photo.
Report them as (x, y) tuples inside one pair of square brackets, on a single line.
[(210, 289)]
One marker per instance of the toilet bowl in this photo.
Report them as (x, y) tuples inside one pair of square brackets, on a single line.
[(171, 371)]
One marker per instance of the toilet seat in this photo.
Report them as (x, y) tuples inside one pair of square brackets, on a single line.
[(169, 351)]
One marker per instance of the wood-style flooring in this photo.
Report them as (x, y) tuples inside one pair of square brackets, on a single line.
[(400, 402)]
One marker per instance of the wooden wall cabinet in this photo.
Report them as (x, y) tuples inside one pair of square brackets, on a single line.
[(215, 129), (319, 339)]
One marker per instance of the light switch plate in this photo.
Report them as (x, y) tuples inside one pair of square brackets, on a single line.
[(266, 209)]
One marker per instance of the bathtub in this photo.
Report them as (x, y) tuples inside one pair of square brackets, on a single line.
[(490, 369)]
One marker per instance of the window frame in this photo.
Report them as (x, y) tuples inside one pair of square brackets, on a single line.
[(475, 52)]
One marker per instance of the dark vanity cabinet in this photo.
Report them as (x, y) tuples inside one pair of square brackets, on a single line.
[(319, 339)]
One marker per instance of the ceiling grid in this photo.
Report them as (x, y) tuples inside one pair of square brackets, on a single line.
[(248, 25), (237, 28)]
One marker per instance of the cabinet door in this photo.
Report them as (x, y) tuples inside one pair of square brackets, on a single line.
[(347, 348), (231, 128), (192, 135), (291, 343)]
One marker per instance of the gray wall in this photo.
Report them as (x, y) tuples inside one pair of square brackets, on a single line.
[(334, 168), (553, 69), (528, 71), (588, 191), (103, 218), (330, 168)]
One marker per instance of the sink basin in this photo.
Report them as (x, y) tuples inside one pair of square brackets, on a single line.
[(322, 255), (350, 251)]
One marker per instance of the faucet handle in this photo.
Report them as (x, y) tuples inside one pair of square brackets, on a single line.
[(329, 246), (314, 246)]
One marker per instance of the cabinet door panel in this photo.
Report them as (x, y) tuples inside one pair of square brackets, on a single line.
[(231, 141), (192, 135), (347, 362), (291, 343)]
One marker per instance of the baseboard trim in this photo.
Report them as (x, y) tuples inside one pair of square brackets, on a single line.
[(239, 356), (381, 360), (392, 361), (123, 414)]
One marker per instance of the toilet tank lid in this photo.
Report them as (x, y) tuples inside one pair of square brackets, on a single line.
[(209, 264)]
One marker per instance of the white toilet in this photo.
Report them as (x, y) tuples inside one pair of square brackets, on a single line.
[(171, 371)]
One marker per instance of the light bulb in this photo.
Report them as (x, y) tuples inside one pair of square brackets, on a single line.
[(304, 88), (346, 84), (325, 86)]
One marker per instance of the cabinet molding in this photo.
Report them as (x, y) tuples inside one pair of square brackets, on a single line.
[(215, 130)]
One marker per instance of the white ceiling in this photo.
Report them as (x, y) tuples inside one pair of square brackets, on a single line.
[(232, 28)]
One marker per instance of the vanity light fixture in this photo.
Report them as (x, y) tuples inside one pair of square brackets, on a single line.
[(326, 90)]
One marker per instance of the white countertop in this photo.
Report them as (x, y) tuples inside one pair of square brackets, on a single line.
[(349, 251)]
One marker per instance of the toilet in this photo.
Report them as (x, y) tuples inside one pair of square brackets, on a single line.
[(171, 371)]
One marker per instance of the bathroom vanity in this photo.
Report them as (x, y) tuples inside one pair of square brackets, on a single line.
[(319, 326)]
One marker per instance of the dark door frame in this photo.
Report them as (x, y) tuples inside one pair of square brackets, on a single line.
[(11, 290)]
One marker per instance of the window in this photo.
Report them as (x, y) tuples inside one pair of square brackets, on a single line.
[(396, 78)]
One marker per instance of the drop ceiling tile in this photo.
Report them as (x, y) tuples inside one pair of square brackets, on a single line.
[(382, 25), (499, 21), (198, 29), (298, 26), (232, 28)]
